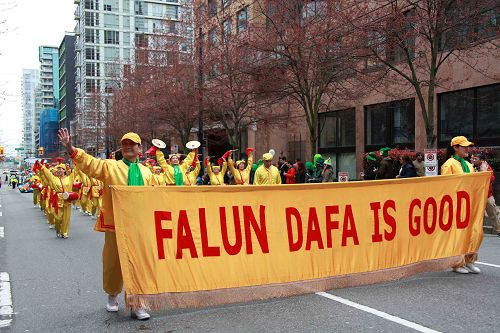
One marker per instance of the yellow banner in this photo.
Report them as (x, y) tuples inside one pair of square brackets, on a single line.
[(208, 238)]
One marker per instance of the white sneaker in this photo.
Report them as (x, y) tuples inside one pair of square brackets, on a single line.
[(140, 314), (51, 226), (112, 305), (461, 270), (472, 268)]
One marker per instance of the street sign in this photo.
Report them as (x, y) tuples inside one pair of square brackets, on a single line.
[(20, 148), (430, 157), (343, 176), (431, 170)]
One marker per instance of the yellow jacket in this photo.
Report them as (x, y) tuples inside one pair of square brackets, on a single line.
[(190, 177), (160, 179), (219, 178), (169, 170), (241, 177), (264, 176), (453, 167), (110, 172), (59, 185)]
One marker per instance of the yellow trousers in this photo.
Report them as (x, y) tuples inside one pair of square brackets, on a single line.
[(112, 280), (65, 219), (42, 204), (86, 204), (36, 193), (95, 206)]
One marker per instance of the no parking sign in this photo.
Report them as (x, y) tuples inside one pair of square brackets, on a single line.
[(431, 162), (343, 176)]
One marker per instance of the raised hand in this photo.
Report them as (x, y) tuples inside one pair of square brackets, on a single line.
[(65, 139)]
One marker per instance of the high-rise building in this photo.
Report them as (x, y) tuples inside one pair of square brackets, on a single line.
[(48, 86), (29, 84), (67, 71), (107, 35), (48, 132)]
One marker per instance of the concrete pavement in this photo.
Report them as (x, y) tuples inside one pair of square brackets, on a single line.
[(56, 287)]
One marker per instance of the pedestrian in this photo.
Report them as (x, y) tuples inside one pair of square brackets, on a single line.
[(300, 175), (419, 164), (290, 175), (370, 170), (283, 167), (386, 168), (267, 173), (492, 210), (456, 164), (407, 168), (327, 174), (127, 171)]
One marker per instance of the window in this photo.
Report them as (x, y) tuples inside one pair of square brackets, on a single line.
[(91, 53), (126, 22), (390, 124), (92, 69), (226, 27), (474, 113), (91, 19), (92, 4), (403, 40), (214, 40), (212, 7), (376, 48), (111, 21), (172, 12), (91, 36), (91, 85), (225, 3), (314, 8), (337, 139), (107, 8), (157, 10), (111, 37), (242, 17)]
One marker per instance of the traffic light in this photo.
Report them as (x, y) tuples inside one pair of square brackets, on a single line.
[(1, 150), (41, 151)]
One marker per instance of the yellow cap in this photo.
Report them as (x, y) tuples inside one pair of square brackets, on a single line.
[(460, 141), (239, 162), (134, 137), (62, 166), (267, 157)]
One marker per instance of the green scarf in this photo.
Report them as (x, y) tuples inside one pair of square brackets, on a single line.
[(178, 177), (465, 167), (134, 173)]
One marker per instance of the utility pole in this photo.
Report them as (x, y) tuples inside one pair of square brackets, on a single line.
[(201, 137)]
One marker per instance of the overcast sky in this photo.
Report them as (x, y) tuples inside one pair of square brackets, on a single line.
[(28, 24)]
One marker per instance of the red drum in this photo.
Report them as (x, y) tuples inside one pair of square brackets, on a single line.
[(70, 196)]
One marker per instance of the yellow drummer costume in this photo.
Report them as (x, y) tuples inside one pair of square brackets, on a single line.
[(61, 209), (35, 183), (216, 178), (267, 175), (174, 174), (241, 177), (111, 172), (159, 175)]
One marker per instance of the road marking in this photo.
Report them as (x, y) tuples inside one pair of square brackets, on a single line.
[(2, 233), (378, 313), (6, 309), (486, 264), (0, 214)]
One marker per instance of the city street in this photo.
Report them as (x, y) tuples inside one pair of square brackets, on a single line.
[(48, 284)]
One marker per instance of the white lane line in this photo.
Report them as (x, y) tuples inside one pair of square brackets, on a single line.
[(378, 313), (0, 214), (486, 264), (6, 309), (2, 233)]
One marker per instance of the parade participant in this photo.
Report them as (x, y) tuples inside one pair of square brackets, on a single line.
[(127, 171), (215, 173), (174, 169), (35, 183), (241, 173), (191, 174), (370, 171), (456, 164), (61, 183), (327, 173), (481, 165), (267, 174), (419, 164), (85, 202), (95, 195), (386, 169), (159, 175)]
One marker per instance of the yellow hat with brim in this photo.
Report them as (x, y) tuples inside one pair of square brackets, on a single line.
[(267, 157), (460, 141), (156, 167), (175, 154), (239, 162), (134, 137), (215, 167), (61, 166)]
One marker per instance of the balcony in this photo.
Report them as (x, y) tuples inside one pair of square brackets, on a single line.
[(77, 15), (76, 2)]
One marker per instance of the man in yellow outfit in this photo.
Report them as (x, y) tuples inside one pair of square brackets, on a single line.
[(240, 173), (127, 171), (267, 173), (61, 183)]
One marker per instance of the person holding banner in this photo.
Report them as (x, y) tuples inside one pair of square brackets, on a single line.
[(267, 174), (481, 165), (456, 164), (241, 173), (127, 171)]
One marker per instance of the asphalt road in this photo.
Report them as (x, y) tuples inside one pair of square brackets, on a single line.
[(55, 286)]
